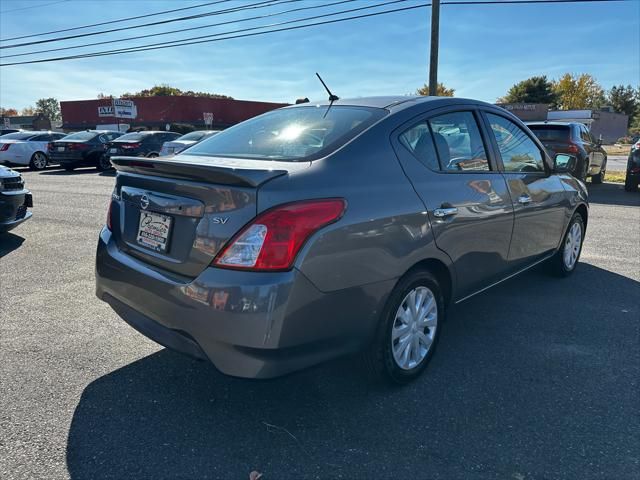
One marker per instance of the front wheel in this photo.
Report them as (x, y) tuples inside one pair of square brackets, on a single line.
[(409, 329), (630, 183), (38, 161), (564, 262), (152, 155)]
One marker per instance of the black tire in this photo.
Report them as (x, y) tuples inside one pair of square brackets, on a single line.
[(39, 161), (630, 184), (557, 263), (379, 358), (152, 155), (103, 163), (598, 179)]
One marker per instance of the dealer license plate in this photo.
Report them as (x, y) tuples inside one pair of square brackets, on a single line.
[(154, 230)]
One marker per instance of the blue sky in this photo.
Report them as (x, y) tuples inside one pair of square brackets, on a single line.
[(483, 50)]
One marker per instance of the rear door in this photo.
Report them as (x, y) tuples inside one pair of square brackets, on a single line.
[(446, 158), (538, 197)]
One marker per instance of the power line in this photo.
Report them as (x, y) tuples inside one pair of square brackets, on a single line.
[(110, 21), (33, 6), (258, 17), (182, 41), (243, 35), (145, 48), (262, 4)]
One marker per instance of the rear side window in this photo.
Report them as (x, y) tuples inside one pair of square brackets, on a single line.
[(458, 142), (519, 153), (418, 140), (290, 134), (81, 136)]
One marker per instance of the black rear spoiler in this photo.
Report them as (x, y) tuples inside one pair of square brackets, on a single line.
[(233, 173)]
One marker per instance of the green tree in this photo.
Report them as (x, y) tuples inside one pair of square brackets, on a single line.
[(49, 107), (624, 100), (441, 91), (28, 111), (167, 91), (532, 90), (578, 92)]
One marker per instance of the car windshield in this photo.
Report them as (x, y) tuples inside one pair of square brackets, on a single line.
[(82, 136), (290, 134), (193, 136), (19, 136), (552, 133)]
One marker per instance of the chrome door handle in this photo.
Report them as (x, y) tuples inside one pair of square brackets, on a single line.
[(445, 212), (524, 199)]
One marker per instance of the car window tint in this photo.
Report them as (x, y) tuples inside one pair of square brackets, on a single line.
[(584, 134), (519, 153), (418, 140), (41, 138), (458, 142)]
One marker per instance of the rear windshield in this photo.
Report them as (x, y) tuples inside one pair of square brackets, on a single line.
[(82, 136), (193, 136), (551, 133), (19, 136), (133, 137), (290, 134)]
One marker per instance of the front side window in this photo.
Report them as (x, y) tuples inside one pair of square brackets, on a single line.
[(290, 134), (519, 153), (85, 136), (458, 142)]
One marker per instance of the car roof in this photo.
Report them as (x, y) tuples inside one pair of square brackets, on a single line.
[(394, 102)]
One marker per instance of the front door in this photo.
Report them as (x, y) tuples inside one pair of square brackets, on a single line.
[(538, 197), (466, 198)]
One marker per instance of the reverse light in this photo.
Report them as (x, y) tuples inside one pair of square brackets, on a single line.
[(274, 238), (5, 147)]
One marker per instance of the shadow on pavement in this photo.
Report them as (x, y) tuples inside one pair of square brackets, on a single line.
[(612, 194), (8, 243), (77, 171), (523, 386)]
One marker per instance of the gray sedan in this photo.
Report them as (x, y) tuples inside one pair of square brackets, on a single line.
[(319, 230)]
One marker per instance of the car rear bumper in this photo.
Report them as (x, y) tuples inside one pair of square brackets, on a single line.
[(249, 324), (13, 209), (67, 158)]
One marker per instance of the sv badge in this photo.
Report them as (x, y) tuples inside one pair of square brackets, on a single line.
[(220, 220)]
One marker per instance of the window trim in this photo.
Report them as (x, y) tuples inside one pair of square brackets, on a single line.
[(426, 116), (496, 149)]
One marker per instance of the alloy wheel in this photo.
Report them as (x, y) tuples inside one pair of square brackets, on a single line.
[(39, 161), (572, 246), (414, 328)]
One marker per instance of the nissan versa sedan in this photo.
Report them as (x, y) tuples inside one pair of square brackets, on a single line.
[(318, 230)]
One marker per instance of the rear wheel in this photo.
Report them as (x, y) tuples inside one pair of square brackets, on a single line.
[(152, 155), (103, 163), (630, 183), (599, 178), (564, 262), (409, 329), (38, 161)]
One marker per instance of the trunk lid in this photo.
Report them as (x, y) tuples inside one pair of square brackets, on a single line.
[(198, 203)]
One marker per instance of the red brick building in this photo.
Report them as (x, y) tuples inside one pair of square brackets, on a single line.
[(156, 112)]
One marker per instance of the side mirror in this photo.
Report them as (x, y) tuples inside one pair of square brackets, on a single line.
[(563, 163)]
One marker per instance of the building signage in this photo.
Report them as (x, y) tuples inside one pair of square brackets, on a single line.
[(7, 122), (105, 111), (119, 109)]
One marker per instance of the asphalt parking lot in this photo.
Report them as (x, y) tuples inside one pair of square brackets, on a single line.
[(537, 378)]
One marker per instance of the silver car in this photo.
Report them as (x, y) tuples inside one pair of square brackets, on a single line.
[(319, 230), (185, 141)]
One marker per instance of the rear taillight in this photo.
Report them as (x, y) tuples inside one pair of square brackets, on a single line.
[(636, 146), (129, 145), (78, 146), (109, 215), (274, 238), (5, 147), (572, 148)]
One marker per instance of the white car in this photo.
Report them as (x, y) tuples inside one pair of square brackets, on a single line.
[(27, 148), (179, 144)]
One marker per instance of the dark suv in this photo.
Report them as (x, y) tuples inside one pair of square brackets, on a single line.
[(575, 139), (141, 144), (632, 179), (82, 149)]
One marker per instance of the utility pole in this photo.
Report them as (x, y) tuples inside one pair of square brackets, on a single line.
[(435, 35)]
